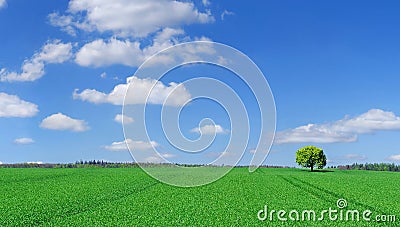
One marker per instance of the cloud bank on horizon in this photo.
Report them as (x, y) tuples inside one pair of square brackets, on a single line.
[(342, 131)]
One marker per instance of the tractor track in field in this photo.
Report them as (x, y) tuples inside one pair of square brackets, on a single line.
[(96, 205), (325, 194), (328, 197)]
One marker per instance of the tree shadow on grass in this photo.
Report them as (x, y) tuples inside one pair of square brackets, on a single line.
[(318, 171)]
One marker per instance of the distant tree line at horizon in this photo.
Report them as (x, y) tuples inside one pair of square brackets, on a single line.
[(93, 164), (105, 164), (77, 164), (371, 166)]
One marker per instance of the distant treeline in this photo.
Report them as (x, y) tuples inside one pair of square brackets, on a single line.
[(371, 166), (105, 164), (78, 164), (272, 167), (94, 164)]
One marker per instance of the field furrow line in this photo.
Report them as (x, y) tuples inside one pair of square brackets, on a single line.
[(97, 205)]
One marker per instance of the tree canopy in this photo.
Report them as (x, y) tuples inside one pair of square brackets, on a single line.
[(311, 156)]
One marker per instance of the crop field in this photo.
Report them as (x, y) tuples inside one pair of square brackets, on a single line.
[(129, 197)]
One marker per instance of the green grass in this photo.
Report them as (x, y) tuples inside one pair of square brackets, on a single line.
[(120, 197)]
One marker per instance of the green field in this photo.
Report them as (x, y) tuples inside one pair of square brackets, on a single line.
[(128, 197)]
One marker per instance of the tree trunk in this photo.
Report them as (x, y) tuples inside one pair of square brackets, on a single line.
[(312, 168)]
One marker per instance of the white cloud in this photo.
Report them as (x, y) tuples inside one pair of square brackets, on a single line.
[(3, 4), (210, 130), (37, 162), (136, 145), (176, 93), (168, 155), (24, 141), (103, 53), (60, 121), (206, 2), (13, 106), (369, 122), (117, 146), (394, 158), (226, 13), (33, 68), (133, 18), (103, 75), (223, 61), (345, 130), (64, 22), (153, 159), (313, 133), (129, 21), (127, 120), (125, 52), (157, 158), (163, 36), (54, 52)]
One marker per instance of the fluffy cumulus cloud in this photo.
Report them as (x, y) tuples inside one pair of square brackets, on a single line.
[(108, 52), (32, 69), (126, 120), (139, 28), (3, 4), (133, 18), (371, 121), (66, 23), (62, 122), (344, 130), (13, 106), (54, 52), (206, 2), (210, 130), (394, 158), (112, 51), (313, 133), (174, 94), (136, 145), (24, 141), (118, 146)]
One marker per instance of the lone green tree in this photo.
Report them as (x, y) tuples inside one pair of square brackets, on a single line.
[(311, 156)]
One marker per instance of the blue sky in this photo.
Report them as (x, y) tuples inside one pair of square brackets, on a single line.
[(332, 67)]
